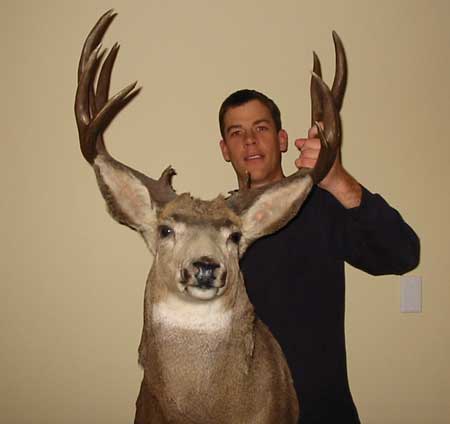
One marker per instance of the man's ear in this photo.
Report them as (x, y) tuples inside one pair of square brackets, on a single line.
[(283, 140), (224, 149)]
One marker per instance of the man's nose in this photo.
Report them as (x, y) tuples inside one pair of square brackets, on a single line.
[(250, 137)]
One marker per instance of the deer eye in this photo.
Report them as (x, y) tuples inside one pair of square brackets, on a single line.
[(165, 231), (235, 237)]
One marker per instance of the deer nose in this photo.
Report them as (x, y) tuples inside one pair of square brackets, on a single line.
[(205, 272)]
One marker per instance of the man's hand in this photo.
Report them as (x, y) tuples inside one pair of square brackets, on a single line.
[(338, 181)]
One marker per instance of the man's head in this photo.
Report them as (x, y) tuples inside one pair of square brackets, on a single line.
[(240, 97), (252, 137)]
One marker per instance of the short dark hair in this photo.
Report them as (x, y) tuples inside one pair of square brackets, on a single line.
[(240, 97)]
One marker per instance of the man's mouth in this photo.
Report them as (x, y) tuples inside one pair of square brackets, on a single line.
[(253, 157)]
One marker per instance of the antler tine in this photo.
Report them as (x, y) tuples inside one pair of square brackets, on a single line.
[(316, 105), (339, 82), (104, 79), (340, 76), (82, 110), (317, 68), (91, 127), (89, 143), (92, 42), (94, 38)]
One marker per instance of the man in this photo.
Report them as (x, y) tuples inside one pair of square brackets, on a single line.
[(295, 277)]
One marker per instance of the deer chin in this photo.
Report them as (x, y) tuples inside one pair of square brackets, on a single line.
[(202, 293)]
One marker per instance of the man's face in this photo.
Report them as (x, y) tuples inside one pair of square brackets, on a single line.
[(252, 144)]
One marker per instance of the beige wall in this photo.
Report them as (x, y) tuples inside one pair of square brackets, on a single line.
[(72, 280)]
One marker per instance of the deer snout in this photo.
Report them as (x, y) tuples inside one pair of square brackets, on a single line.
[(205, 272), (203, 278)]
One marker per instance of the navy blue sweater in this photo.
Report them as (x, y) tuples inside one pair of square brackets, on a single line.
[(295, 279)]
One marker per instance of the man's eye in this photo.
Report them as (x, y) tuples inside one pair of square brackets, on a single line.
[(236, 133), (235, 237), (165, 231), (261, 128)]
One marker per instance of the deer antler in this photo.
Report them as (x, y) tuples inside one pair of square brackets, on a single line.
[(94, 111)]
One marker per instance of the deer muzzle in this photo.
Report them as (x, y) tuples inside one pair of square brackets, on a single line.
[(204, 278), (206, 273)]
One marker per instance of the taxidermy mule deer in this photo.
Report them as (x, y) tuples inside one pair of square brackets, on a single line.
[(206, 357)]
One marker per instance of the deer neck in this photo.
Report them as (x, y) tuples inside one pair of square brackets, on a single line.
[(177, 321), (188, 347)]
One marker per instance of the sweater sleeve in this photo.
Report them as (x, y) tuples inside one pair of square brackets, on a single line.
[(375, 238)]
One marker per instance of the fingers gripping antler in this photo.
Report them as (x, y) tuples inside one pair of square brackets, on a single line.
[(122, 187)]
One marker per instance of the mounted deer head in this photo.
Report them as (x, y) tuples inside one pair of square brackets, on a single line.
[(195, 281)]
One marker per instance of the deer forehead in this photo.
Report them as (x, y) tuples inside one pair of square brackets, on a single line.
[(194, 241), (192, 211)]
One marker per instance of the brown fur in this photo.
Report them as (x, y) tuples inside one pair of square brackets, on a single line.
[(237, 374), (195, 211)]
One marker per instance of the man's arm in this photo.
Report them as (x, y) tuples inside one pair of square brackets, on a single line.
[(371, 234)]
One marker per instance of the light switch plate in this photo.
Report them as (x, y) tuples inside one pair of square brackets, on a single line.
[(411, 294)]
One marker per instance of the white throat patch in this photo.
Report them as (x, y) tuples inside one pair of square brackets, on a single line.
[(207, 316)]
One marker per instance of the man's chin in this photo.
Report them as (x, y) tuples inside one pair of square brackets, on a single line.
[(259, 179)]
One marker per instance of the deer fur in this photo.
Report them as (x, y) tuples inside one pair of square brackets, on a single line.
[(210, 360), (205, 360)]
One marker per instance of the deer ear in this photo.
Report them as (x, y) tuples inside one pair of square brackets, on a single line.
[(274, 208), (127, 198)]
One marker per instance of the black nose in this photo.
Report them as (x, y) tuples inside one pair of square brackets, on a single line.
[(205, 274)]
